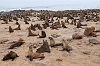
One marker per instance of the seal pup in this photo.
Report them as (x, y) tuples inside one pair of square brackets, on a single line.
[(17, 23), (30, 33), (11, 55), (44, 48), (43, 34), (52, 42), (17, 44), (32, 27), (66, 46), (63, 24), (31, 55), (44, 26), (39, 27), (18, 28), (79, 25), (10, 29), (26, 22)]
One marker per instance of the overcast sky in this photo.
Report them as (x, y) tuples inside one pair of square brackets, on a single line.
[(34, 3)]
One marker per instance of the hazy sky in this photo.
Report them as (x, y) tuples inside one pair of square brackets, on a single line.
[(33, 3)]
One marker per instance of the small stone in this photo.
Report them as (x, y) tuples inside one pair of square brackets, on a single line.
[(86, 52), (94, 41), (58, 59), (79, 43), (77, 36)]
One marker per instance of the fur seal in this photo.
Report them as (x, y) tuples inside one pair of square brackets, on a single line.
[(54, 27), (39, 27), (63, 24), (18, 28), (31, 55), (11, 55), (30, 33), (32, 27), (17, 23), (26, 22), (79, 25), (43, 34), (44, 26), (44, 48), (52, 42), (66, 46), (17, 44), (10, 29)]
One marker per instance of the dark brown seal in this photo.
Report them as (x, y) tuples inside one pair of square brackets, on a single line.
[(43, 34), (10, 29), (11, 55), (44, 48), (18, 28), (17, 44)]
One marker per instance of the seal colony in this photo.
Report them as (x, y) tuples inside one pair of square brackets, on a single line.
[(45, 33)]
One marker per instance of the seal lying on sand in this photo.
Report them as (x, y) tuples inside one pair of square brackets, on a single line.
[(17, 44), (11, 55)]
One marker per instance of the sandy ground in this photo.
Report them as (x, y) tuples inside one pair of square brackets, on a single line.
[(74, 58)]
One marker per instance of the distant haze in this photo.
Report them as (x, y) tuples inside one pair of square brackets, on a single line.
[(49, 4)]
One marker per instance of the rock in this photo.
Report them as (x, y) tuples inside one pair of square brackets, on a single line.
[(58, 59), (79, 43), (87, 52), (77, 36), (94, 41), (40, 64)]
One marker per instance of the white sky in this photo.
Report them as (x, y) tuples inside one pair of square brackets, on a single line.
[(33, 3)]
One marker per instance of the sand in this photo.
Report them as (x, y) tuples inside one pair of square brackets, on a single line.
[(56, 57)]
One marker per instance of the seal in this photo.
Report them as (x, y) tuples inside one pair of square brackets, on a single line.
[(79, 25), (17, 23), (10, 29), (32, 27), (31, 55), (44, 48), (63, 24), (66, 46), (17, 44), (11, 55), (44, 26), (52, 42), (43, 34), (39, 27), (18, 28), (30, 33)]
